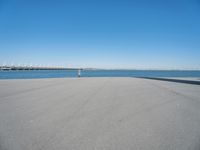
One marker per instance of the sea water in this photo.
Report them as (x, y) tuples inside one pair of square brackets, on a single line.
[(33, 74)]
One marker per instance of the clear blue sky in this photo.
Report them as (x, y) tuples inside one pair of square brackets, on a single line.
[(162, 34)]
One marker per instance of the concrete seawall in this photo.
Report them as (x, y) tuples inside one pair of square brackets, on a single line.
[(194, 81), (99, 114)]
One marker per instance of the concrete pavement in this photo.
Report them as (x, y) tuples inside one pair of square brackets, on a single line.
[(99, 114)]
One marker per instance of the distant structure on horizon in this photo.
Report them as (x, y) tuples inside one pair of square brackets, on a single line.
[(12, 67)]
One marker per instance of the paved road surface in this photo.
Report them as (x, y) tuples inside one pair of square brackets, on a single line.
[(99, 114)]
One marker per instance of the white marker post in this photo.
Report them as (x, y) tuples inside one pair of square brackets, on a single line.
[(79, 73)]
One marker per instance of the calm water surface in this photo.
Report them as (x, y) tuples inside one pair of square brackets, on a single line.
[(32, 74)]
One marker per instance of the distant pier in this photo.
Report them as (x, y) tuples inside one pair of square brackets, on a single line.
[(7, 68)]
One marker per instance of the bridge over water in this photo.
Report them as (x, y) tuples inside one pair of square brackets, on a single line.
[(7, 68)]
